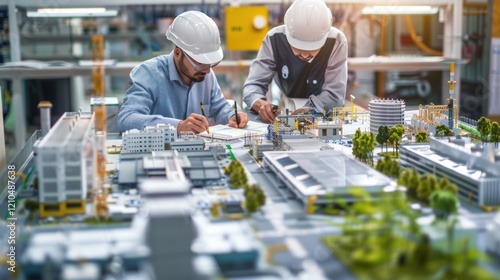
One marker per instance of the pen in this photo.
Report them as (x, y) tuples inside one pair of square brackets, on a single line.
[(236, 114), (203, 113)]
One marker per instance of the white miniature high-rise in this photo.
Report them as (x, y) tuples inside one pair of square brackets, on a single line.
[(65, 163), (389, 112)]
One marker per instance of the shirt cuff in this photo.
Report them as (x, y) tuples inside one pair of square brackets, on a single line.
[(315, 103)]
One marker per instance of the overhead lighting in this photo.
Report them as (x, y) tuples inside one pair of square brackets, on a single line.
[(399, 10), (73, 12)]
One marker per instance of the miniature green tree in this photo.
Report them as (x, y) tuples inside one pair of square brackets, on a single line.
[(422, 136), (413, 183), (403, 177), (495, 133), (383, 136), (442, 130), (357, 134), (370, 144), (409, 178), (443, 203), (394, 169), (261, 196), (428, 183), (356, 145), (254, 196), (363, 145), (395, 134), (236, 173), (251, 202), (446, 185), (389, 167), (484, 127)]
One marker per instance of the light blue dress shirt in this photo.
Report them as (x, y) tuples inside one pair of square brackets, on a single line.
[(158, 95)]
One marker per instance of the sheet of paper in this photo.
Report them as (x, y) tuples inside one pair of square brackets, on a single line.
[(225, 132)]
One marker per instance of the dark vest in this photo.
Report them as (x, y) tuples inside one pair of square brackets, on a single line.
[(299, 79)]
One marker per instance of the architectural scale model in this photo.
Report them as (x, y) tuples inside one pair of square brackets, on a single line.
[(173, 214), (474, 169)]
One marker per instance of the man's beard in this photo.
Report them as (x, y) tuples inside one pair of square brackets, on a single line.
[(197, 77)]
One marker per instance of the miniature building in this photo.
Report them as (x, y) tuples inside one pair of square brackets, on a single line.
[(387, 112), (232, 244), (329, 130), (65, 165), (65, 250), (220, 150), (430, 116), (188, 144), (152, 138), (476, 174), (323, 172), (203, 169), (169, 219), (301, 143), (260, 146), (200, 167), (167, 164)]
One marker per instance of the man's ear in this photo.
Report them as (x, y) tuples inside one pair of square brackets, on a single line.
[(177, 52)]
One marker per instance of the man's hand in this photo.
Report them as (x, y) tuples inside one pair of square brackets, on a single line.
[(303, 110), (266, 112), (243, 120), (195, 123)]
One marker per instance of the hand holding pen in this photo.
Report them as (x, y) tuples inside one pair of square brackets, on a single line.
[(239, 119), (203, 113), (236, 114), (195, 123)]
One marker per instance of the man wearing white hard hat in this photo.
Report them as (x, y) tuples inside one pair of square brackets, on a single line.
[(170, 89), (306, 57)]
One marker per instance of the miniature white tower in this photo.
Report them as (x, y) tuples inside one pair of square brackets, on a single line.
[(451, 82), (44, 107)]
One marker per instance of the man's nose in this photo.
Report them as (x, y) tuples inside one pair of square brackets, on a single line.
[(206, 70)]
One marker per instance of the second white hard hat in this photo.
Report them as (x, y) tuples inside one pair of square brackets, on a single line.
[(197, 35), (307, 23)]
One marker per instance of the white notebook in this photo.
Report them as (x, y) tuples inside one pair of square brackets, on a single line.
[(225, 132)]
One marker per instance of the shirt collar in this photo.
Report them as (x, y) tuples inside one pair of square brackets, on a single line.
[(172, 71)]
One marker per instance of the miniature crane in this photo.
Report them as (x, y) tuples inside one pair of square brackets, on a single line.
[(100, 193)]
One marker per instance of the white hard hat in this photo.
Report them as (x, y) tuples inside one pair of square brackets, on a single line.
[(307, 23), (197, 35)]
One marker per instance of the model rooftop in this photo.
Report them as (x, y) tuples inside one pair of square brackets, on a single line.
[(70, 130), (323, 172)]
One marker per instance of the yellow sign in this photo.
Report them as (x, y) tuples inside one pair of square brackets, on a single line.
[(246, 27)]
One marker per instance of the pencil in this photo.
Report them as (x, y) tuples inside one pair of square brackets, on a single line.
[(236, 114), (203, 113)]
